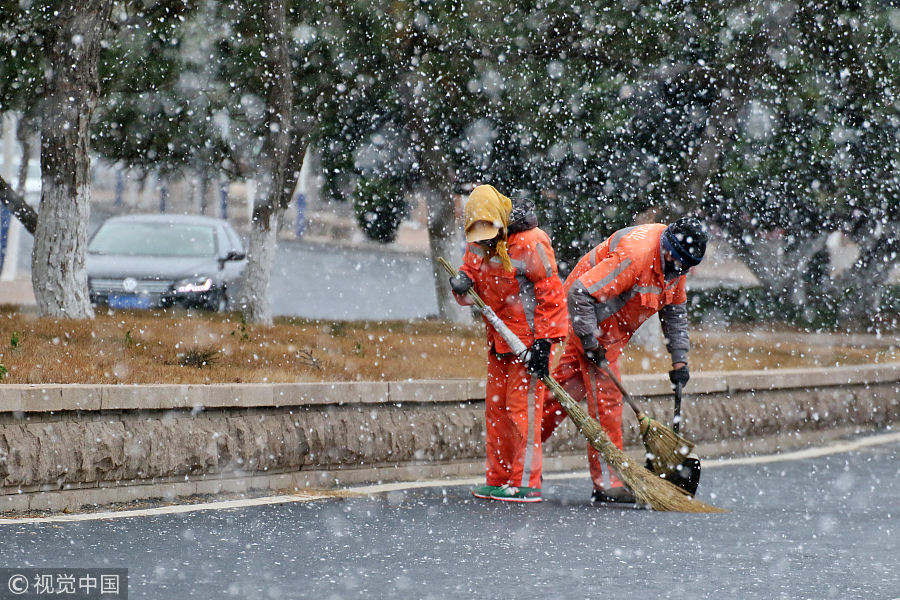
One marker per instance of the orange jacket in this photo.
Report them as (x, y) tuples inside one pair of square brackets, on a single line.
[(529, 299), (620, 284)]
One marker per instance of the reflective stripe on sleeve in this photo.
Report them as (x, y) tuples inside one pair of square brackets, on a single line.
[(650, 289), (545, 260), (605, 310), (610, 277), (617, 237)]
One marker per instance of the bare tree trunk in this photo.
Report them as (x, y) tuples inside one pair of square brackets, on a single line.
[(264, 232), (272, 168), (205, 184), (260, 259), (72, 46), (24, 131), (440, 183), (868, 277), (443, 242)]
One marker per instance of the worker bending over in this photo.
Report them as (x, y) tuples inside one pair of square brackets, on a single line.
[(613, 289)]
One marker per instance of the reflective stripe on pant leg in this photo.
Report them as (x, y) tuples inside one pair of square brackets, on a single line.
[(529, 438), (523, 404)]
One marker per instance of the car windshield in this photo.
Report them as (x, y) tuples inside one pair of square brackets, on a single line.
[(154, 239)]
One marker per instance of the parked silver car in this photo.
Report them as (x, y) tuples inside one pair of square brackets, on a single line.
[(149, 261)]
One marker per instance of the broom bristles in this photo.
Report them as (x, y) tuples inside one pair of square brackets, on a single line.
[(648, 488), (665, 448)]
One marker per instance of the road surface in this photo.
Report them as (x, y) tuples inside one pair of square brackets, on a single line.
[(316, 281), (806, 526)]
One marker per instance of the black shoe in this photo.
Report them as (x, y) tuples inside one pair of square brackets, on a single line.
[(618, 495), (687, 474)]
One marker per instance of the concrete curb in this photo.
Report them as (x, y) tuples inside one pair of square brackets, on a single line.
[(51, 398)]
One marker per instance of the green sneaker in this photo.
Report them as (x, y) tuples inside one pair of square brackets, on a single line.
[(510, 493), (485, 491)]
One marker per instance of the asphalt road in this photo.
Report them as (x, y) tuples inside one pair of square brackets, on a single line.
[(817, 527), (316, 281)]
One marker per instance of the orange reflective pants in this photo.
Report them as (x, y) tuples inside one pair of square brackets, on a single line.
[(582, 379), (513, 407)]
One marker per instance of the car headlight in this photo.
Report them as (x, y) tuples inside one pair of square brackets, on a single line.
[(194, 286)]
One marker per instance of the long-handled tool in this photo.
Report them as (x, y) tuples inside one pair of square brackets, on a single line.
[(676, 412), (666, 450), (648, 488), (686, 474)]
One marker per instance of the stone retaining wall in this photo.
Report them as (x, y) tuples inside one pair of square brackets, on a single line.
[(62, 446)]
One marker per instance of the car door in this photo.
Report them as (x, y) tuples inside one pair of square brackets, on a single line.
[(229, 241)]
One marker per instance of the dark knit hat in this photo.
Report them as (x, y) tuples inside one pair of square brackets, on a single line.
[(686, 240)]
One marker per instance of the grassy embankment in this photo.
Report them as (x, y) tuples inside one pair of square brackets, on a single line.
[(185, 347)]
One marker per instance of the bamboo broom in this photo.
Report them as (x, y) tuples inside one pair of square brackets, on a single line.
[(665, 448), (648, 488)]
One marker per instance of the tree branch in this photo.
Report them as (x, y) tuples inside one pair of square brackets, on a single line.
[(18, 207)]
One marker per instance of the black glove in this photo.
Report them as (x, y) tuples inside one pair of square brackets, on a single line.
[(681, 376), (597, 355), (539, 360), (461, 284)]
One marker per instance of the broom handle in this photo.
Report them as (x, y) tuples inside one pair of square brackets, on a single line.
[(518, 347), (625, 394), (511, 339), (676, 416)]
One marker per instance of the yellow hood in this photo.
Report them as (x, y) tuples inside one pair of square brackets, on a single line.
[(487, 213), (486, 204)]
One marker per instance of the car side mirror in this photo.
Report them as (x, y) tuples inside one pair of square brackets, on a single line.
[(233, 255)]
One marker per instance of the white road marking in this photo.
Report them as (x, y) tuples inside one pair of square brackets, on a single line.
[(837, 448), (875, 440), (168, 510), (412, 485)]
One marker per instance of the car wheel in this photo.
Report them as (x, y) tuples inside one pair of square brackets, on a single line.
[(218, 301)]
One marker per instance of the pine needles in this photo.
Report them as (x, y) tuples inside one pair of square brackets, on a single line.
[(198, 358)]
